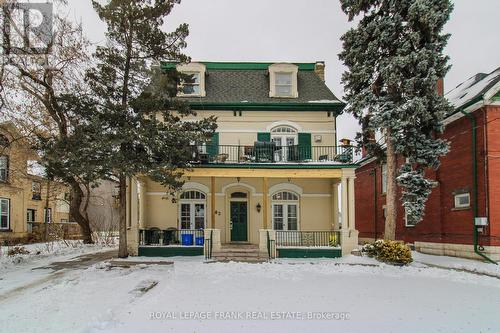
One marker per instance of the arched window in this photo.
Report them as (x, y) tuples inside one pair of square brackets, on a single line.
[(284, 129), (193, 195), (192, 210), (285, 138), (285, 210), (238, 195)]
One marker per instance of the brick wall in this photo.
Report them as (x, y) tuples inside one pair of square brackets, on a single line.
[(443, 222)]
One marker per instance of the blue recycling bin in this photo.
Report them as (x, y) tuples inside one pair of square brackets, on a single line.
[(187, 239), (199, 240)]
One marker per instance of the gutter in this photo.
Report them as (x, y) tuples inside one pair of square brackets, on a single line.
[(474, 185)]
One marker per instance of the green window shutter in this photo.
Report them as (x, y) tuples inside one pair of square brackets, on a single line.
[(213, 145), (264, 137), (305, 146)]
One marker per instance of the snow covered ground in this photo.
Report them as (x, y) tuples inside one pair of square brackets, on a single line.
[(350, 294)]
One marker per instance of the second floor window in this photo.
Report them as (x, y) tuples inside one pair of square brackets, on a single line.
[(384, 178), (190, 84), (36, 190), (4, 168), (283, 85)]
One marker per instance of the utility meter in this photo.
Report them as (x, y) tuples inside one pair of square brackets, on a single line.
[(481, 221)]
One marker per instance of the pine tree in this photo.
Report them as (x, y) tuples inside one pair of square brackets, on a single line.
[(134, 136), (394, 58)]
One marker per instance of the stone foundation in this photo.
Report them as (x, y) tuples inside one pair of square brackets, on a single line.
[(457, 250)]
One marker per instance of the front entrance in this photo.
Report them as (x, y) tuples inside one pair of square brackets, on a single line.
[(238, 221)]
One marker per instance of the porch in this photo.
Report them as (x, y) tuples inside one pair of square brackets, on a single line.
[(285, 211)]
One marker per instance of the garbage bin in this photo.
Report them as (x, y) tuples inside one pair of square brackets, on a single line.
[(187, 239), (199, 240)]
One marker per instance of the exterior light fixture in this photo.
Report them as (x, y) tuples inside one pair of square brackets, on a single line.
[(258, 207)]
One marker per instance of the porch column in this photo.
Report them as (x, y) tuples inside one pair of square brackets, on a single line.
[(212, 202), (335, 204), (344, 203), (141, 195), (265, 187), (352, 211)]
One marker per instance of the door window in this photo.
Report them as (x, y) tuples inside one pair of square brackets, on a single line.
[(192, 210), (285, 211)]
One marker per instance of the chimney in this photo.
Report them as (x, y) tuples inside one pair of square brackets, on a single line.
[(440, 87), (319, 69)]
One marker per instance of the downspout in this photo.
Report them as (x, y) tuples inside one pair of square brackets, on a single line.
[(474, 186)]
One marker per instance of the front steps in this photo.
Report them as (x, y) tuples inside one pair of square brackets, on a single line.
[(240, 253)]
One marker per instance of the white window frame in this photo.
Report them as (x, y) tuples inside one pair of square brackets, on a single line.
[(285, 204), (192, 210), (189, 69), (45, 215), (283, 68), (409, 225), (383, 178), (457, 200), (277, 85), (284, 136), (2, 213), (196, 83)]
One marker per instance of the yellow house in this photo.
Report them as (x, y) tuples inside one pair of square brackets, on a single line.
[(23, 191), (272, 180)]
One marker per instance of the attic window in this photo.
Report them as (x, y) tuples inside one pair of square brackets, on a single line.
[(283, 80), (190, 84), (283, 84), (192, 79)]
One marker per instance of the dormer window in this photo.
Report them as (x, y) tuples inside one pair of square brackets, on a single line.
[(192, 80), (190, 84), (283, 84), (283, 80)]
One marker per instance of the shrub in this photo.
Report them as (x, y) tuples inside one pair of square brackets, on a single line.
[(387, 251), (17, 250)]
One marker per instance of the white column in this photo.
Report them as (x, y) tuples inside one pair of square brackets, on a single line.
[(344, 203), (335, 205), (352, 210)]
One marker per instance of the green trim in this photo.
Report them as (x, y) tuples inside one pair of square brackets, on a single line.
[(303, 66), (466, 105), (496, 97), (276, 166), (333, 107), (165, 251), (308, 253)]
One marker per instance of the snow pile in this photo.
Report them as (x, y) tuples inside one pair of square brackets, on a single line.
[(39, 251)]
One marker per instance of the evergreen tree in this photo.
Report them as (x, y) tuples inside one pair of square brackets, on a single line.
[(394, 58), (134, 137)]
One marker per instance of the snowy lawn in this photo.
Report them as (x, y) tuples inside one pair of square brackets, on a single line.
[(352, 294)]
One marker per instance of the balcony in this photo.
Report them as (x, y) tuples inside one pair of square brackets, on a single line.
[(268, 152)]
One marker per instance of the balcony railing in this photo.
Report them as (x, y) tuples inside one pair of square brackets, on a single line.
[(171, 237), (307, 239), (267, 152)]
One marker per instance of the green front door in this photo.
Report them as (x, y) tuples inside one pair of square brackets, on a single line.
[(239, 221)]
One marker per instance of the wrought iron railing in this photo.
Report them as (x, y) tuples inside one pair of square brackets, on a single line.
[(267, 152), (307, 238), (172, 237), (209, 246), (271, 247)]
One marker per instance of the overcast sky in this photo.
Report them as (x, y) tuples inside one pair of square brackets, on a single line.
[(307, 31)]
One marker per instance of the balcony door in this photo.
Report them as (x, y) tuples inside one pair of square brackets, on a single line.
[(285, 138)]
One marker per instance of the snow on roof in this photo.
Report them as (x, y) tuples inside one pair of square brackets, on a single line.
[(473, 87)]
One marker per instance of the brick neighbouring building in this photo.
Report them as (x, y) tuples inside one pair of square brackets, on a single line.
[(448, 225)]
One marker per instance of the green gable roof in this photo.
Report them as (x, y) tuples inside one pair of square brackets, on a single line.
[(245, 86)]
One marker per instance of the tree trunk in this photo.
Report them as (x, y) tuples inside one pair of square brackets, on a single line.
[(391, 195), (46, 236), (76, 214), (122, 246)]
